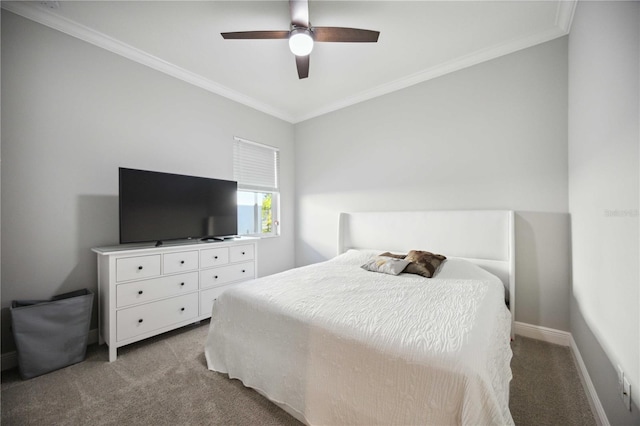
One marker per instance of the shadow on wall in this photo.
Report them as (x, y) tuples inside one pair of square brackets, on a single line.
[(543, 265), (312, 254), (602, 371), (97, 225)]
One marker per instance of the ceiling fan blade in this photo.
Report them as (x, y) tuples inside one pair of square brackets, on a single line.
[(345, 35), (253, 35), (299, 13), (302, 63)]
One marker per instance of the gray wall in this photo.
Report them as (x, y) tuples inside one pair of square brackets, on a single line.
[(543, 256), (492, 136), (604, 134), (72, 114)]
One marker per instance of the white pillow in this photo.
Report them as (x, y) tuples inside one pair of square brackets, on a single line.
[(386, 265)]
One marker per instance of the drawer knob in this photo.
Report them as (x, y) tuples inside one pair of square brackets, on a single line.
[(140, 292), (243, 271), (139, 268), (182, 309), (140, 321), (243, 253), (215, 277), (181, 284), (182, 262), (215, 257)]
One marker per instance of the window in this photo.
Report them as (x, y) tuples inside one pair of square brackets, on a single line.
[(256, 168)]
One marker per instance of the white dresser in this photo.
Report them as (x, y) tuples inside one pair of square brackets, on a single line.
[(145, 291)]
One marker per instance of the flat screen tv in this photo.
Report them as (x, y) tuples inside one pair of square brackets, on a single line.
[(157, 207)]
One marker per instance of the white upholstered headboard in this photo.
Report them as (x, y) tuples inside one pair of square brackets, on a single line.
[(483, 237)]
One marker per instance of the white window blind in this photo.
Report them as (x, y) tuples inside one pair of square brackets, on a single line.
[(255, 166)]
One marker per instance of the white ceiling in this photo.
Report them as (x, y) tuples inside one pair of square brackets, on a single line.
[(418, 40)]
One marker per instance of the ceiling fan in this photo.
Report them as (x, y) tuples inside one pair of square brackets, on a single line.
[(302, 35)]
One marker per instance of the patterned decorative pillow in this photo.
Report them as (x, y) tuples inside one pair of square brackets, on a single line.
[(423, 263), (386, 265), (395, 256)]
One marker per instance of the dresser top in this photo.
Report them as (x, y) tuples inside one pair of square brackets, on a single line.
[(171, 246)]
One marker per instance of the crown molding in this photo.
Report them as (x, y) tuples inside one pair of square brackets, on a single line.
[(564, 14), (439, 70), (564, 17), (44, 16)]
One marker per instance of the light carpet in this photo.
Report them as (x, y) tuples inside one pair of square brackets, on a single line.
[(164, 381)]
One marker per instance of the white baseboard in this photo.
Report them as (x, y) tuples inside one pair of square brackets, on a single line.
[(565, 338), (594, 401), (10, 359), (545, 334)]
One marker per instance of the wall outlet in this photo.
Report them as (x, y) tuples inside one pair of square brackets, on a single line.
[(626, 393), (620, 381)]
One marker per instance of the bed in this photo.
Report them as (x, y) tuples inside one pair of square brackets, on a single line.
[(332, 343)]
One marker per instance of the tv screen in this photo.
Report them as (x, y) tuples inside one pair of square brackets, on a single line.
[(157, 206)]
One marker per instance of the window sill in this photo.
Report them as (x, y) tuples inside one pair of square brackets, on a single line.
[(260, 236)]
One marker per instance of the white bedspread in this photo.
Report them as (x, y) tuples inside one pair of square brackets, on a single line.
[(340, 345)]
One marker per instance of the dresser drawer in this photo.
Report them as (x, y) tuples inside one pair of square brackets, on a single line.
[(207, 297), (241, 253), (142, 319), (135, 268), (225, 274), (157, 288), (179, 262), (214, 257)]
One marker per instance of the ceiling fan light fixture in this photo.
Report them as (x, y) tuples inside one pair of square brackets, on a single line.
[(302, 35), (301, 41)]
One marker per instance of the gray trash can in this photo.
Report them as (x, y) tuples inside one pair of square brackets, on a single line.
[(51, 334)]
